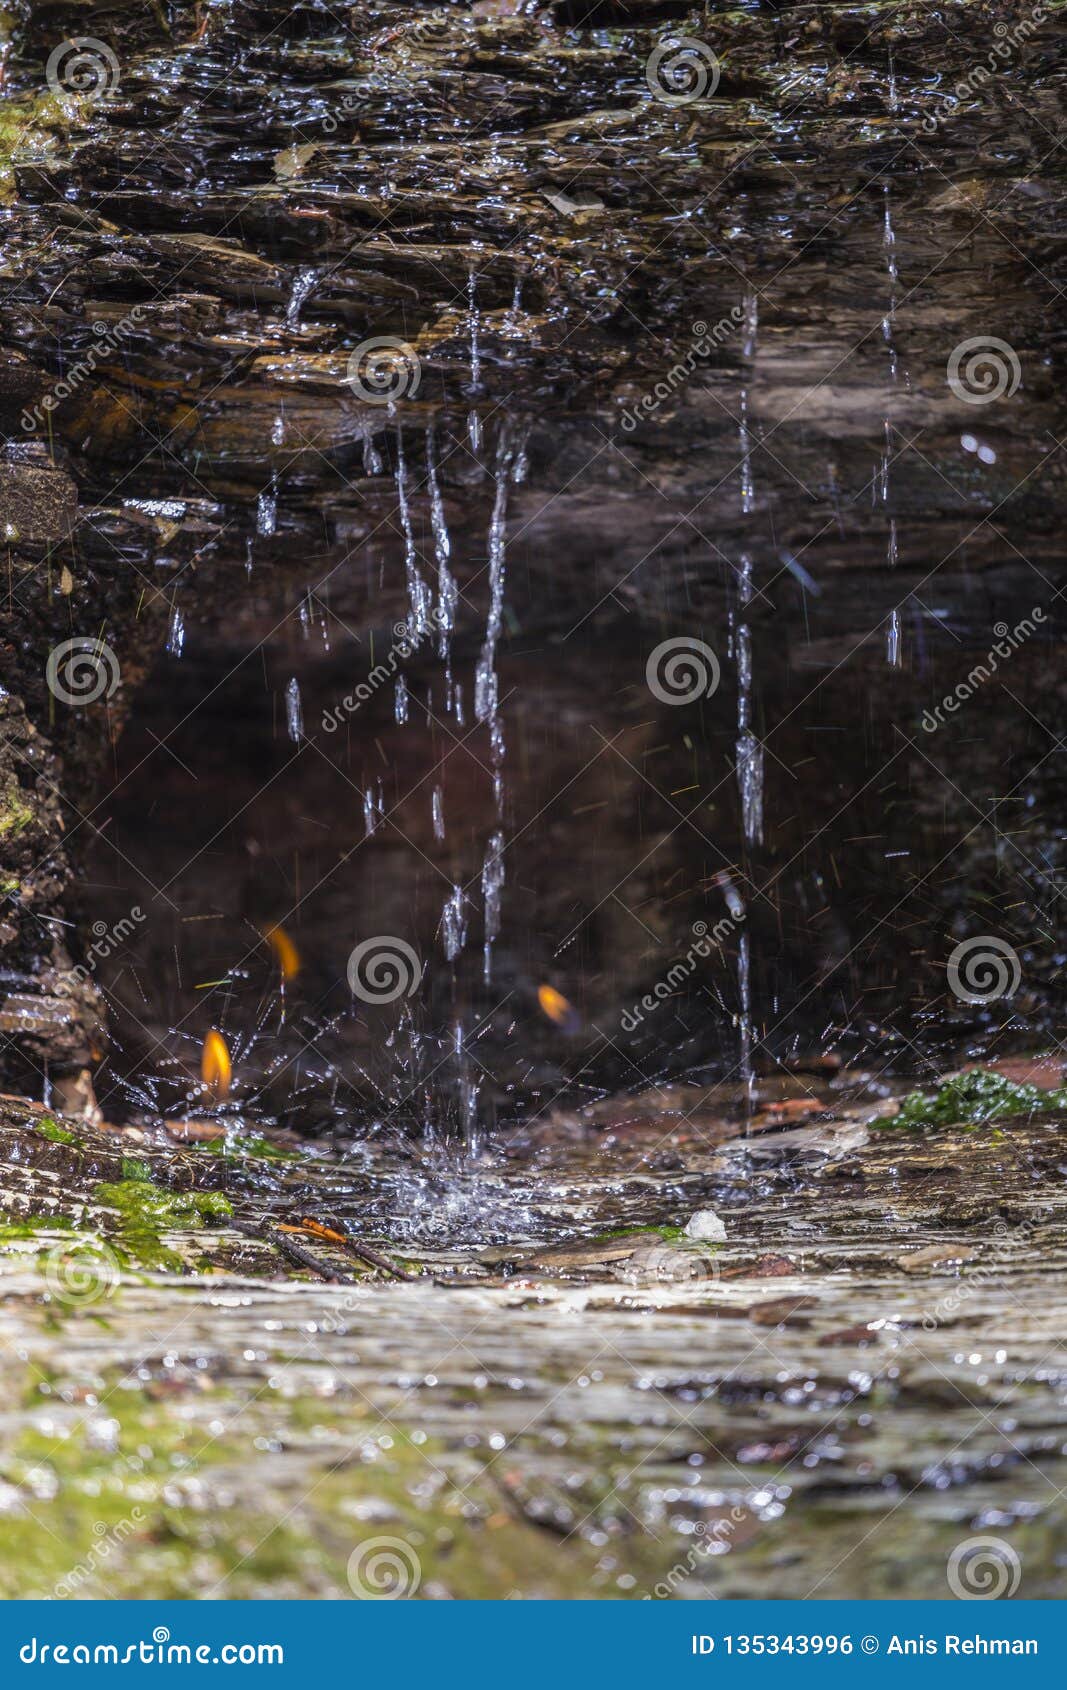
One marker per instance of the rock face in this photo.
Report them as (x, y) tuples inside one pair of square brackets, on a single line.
[(318, 319)]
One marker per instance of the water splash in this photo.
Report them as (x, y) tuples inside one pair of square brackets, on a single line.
[(402, 699), (467, 1091)]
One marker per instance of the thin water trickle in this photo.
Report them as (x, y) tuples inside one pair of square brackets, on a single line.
[(892, 640), (402, 699), (748, 483), (303, 286), (454, 923), (474, 322), (447, 588), (492, 895), (267, 510), (437, 805), (373, 809), (419, 596), (744, 985), (749, 751), (486, 684), (294, 711), (176, 633)]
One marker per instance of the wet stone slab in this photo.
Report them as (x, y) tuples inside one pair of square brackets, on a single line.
[(869, 1371)]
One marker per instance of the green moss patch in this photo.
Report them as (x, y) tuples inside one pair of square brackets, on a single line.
[(146, 1211), (52, 1130), (974, 1099)]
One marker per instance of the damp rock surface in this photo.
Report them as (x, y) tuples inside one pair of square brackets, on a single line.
[(584, 519), (867, 1373)]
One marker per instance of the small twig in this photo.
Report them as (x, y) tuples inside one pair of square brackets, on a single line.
[(289, 1247), (373, 1258)]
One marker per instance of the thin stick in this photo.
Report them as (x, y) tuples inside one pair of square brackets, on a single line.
[(289, 1247)]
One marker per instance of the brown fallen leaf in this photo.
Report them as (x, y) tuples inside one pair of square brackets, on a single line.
[(291, 160)]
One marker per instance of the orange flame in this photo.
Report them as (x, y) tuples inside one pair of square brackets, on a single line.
[(556, 1006), (216, 1069), (285, 952)]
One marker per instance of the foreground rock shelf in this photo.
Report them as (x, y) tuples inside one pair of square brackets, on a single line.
[(868, 1372)]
